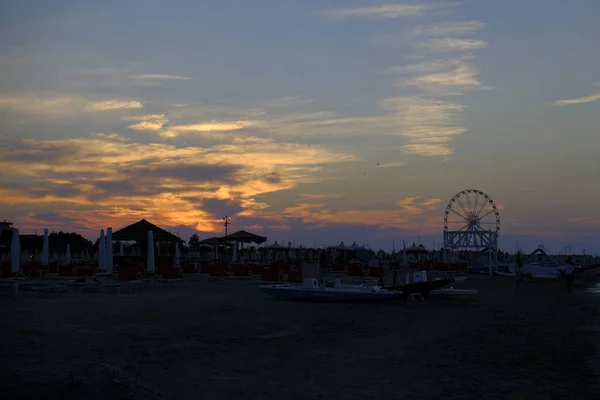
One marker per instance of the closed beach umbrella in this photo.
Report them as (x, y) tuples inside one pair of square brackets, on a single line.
[(109, 251), (68, 254), (102, 251), (45, 250), (150, 260), (177, 253), (15, 251)]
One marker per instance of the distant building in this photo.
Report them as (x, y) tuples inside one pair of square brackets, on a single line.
[(5, 226)]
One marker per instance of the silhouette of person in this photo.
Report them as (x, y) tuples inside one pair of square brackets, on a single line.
[(568, 271), (518, 270)]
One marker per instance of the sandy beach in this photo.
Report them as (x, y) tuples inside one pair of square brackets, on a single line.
[(224, 339)]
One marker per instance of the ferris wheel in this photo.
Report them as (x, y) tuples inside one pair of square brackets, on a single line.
[(471, 221)]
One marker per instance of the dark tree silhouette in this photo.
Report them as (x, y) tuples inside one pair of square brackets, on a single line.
[(194, 242)]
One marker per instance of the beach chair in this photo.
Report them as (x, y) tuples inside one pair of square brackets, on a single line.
[(376, 272), (82, 284), (169, 275), (240, 271), (129, 278), (219, 270)]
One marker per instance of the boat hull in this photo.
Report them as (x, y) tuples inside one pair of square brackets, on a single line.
[(328, 295)]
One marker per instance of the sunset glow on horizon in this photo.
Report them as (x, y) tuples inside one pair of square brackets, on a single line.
[(316, 122)]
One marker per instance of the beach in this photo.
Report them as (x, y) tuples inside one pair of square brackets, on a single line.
[(223, 339)]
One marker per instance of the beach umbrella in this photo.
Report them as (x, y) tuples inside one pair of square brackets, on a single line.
[(109, 251), (15, 251), (177, 253), (45, 250), (102, 251), (68, 254), (150, 261), (404, 256)]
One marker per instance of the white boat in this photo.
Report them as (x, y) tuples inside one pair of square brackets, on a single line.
[(504, 270), (539, 265), (313, 290)]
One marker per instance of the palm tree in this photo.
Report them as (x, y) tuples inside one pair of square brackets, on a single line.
[(194, 242)]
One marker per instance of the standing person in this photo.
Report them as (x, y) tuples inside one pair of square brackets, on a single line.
[(568, 271), (519, 269)]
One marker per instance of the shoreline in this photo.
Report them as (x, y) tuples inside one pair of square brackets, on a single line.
[(215, 339)]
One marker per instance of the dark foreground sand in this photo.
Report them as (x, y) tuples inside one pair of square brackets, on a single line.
[(211, 340)]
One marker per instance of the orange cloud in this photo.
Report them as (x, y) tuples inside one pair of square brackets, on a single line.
[(412, 215), (108, 179)]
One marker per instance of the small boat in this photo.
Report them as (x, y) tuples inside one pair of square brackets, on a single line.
[(312, 290)]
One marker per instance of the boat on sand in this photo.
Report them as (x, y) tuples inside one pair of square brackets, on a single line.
[(312, 289)]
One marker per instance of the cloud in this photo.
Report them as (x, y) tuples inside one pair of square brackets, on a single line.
[(150, 122), (580, 100), (61, 105), (392, 164), (111, 179), (160, 77), (410, 213), (212, 128), (452, 76), (450, 29), (389, 11), (453, 44), (58, 105), (120, 77), (108, 105), (428, 123)]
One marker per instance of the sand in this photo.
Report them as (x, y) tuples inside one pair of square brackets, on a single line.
[(224, 340)]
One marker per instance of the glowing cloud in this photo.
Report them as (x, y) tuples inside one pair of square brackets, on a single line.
[(441, 76), (453, 44), (429, 124), (109, 175), (392, 164), (450, 29), (109, 105), (580, 100), (388, 11), (152, 122)]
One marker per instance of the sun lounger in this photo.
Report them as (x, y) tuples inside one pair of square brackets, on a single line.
[(118, 285), (170, 281), (56, 288), (81, 286)]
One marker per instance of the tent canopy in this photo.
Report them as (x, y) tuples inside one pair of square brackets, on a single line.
[(139, 232), (245, 237), (212, 241), (274, 246), (342, 247), (416, 249)]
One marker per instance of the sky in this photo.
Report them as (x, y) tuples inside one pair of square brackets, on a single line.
[(313, 121)]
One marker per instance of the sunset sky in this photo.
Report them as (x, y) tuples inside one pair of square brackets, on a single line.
[(310, 121)]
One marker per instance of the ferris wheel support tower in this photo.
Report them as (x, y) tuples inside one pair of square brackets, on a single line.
[(472, 222)]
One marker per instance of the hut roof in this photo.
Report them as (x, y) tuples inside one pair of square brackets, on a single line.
[(211, 241), (274, 246), (139, 232), (245, 237), (416, 249)]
